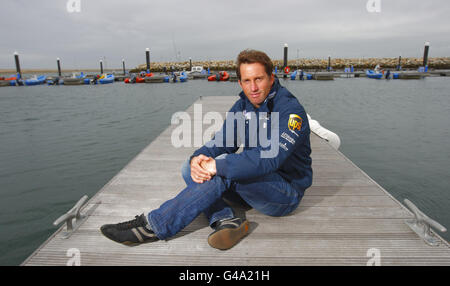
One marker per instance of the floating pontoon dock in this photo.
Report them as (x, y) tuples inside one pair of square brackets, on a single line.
[(345, 218)]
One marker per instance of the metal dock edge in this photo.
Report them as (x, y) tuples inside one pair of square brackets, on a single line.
[(345, 218)]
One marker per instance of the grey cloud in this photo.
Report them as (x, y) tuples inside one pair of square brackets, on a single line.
[(43, 30)]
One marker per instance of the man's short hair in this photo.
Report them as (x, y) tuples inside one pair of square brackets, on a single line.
[(253, 56)]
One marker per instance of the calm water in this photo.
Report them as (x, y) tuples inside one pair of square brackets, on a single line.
[(61, 142)]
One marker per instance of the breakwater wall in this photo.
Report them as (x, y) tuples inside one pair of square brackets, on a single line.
[(307, 64)]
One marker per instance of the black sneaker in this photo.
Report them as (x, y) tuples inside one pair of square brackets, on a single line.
[(228, 232), (131, 232)]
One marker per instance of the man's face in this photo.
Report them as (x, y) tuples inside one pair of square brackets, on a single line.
[(255, 82)]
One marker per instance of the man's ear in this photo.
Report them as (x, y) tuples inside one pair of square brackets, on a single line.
[(239, 81)]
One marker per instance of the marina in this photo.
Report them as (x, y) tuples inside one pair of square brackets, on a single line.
[(89, 112), (91, 94), (181, 72), (345, 218), (231, 76), (143, 74)]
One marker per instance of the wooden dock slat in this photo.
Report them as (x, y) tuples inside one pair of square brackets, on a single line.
[(310, 212), (343, 215)]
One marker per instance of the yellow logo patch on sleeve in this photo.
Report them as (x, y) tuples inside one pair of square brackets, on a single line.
[(295, 122)]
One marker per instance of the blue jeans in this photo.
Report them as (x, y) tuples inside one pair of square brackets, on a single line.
[(271, 195)]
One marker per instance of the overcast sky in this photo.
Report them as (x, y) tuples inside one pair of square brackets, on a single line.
[(42, 30)]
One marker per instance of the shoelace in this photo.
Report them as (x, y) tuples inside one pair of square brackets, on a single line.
[(235, 222), (136, 222)]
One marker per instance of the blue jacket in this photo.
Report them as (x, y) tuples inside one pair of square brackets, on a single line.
[(290, 158)]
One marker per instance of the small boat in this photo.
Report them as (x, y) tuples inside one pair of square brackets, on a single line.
[(14, 80), (37, 80), (373, 74), (197, 69), (11, 78), (53, 81), (171, 78), (174, 77), (294, 75), (183, 77), (302, 75), (75, 79), (137, 79), (221, 76), (106, 78), (90, 79), (81, 75), (197, 72)]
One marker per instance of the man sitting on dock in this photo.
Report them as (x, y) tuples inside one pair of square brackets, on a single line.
[(273, 185)]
